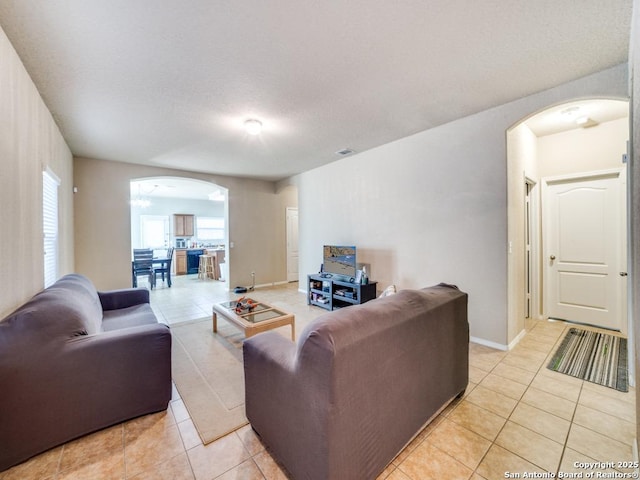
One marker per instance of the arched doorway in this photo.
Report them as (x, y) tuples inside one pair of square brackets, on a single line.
[(567, 140), (181, 213)]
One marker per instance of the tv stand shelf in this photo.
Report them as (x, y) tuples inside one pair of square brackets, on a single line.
[(331, 294)]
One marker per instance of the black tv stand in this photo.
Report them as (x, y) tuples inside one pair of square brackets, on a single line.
[(330, 293)]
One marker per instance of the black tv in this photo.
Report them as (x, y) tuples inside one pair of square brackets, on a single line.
[(340, 262)]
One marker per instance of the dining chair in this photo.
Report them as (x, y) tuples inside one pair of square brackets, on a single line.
[(164, 267), (142, 265)]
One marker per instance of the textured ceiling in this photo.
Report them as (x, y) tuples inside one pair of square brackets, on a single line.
[(169, 82)]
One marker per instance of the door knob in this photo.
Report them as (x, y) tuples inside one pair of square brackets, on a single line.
[(623, 274), (552, 257)]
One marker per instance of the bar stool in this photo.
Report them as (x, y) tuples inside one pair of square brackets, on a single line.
[(212, 267), (205, 267)]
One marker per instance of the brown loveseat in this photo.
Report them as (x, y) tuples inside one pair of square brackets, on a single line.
[(73, 361), (359, 384)]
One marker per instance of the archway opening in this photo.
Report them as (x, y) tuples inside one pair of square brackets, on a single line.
[(578, 137), (183, 214)]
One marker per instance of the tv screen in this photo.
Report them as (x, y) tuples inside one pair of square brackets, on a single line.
[(340, 260)]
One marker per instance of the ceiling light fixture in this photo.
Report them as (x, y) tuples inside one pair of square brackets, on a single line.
[(139, 201), (582, 120), (253, 126), (570, 112)]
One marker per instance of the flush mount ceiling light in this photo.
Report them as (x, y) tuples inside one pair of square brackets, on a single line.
[(253, 126), (570, 113)]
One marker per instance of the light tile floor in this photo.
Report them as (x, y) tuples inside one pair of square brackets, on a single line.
[(516, 416)]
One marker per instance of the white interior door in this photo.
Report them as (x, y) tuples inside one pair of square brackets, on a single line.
[(584, 237), (292, 244)]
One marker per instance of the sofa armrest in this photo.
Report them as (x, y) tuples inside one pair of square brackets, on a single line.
[(287, 403), (129, 363), (70, 388), (270, 350), (269, 371), (123, 298)]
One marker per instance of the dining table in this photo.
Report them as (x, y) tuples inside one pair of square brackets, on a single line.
[(161, 262)]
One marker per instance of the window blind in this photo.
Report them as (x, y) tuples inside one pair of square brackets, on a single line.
[(50, 185), (210, 228)]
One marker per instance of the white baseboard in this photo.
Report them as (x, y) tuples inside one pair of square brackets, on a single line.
[(262, 285), (517, 339), (272, 284), (487, 343)]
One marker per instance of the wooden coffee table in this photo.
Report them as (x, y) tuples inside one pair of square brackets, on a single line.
[(262, 318)]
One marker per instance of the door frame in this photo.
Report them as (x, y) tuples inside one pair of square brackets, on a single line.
[(288, 210), (621, 174), (533, 226)]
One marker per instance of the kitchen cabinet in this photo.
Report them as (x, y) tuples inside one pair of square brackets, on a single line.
[(181, 262), (183, 225)]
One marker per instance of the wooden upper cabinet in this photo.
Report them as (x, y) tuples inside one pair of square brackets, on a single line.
[(183, 225)]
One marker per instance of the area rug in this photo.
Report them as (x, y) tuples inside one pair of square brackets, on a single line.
[(209, 375), (596, 357)]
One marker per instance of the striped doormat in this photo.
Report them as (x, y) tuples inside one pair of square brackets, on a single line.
[(596, 357)]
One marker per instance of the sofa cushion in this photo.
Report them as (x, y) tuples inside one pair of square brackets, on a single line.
[(128, 317)]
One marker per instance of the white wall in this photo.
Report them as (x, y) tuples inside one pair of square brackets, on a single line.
[(103, 222), (29, 142), (584, 149), (432, 207)]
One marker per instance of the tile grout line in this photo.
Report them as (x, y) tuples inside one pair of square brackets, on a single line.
[(564, 447), (538, 372), (509, 417), (475, 471), (184, 446)]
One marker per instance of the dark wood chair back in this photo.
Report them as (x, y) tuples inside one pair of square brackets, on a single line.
[(142, 265), (165, 267)]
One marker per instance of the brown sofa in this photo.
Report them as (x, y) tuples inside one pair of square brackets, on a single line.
[(73, 361), (359, 384)]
